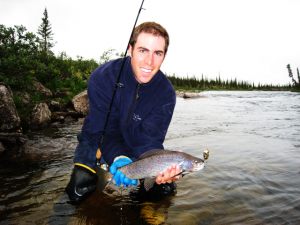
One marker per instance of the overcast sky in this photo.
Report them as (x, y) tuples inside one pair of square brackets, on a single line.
[(251, 40)]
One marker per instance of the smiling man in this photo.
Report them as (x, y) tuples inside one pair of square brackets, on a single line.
[(139, 118)]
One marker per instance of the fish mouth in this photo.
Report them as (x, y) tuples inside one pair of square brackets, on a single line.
[(198, 167)]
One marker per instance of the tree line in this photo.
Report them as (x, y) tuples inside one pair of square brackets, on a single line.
[(219, 84), (26, 57)]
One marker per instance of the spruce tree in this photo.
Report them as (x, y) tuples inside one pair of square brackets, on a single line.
[(46, 34)]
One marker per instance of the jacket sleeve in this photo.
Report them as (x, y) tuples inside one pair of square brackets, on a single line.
[(150, 133), (100, 89)]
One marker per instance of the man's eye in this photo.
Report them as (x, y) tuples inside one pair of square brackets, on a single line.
[(142, 50), (159, 54)]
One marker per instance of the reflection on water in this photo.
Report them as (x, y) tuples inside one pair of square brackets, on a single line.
[(251, 177)]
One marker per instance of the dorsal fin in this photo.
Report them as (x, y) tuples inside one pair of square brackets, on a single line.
[(150, 153)]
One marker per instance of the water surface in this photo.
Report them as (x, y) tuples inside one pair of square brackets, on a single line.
[(251, 177)]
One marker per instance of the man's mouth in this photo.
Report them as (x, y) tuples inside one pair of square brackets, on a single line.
[(146, 70)]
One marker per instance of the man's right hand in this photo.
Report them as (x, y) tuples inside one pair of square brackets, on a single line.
[(169, 175), (82, 183)]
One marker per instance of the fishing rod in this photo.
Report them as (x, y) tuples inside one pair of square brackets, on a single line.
[(118, 85)]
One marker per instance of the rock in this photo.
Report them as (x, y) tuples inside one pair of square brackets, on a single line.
[(40, 116), (12, 141), (23, 96), (55, 106), (190, 95), (9, 119), (63, 116), (81, 103), (2, 148), (184, 94), (39, 87), (179, 93), (58, 117)]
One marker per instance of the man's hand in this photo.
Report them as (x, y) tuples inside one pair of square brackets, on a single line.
[(118, 176), (170, 175), (82, 183)]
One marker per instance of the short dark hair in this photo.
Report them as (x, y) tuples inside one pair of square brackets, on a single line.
[(152, 28)]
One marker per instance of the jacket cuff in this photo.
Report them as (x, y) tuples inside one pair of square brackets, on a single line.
[(85, 166)]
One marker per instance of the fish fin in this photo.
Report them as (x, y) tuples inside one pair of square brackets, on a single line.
[(150, 153), (148, 183), (182, 173)]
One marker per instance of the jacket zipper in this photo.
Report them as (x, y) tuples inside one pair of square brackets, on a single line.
[(132, 106)]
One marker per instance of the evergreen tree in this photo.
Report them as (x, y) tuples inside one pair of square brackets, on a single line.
[(298, 74), (46, 34)]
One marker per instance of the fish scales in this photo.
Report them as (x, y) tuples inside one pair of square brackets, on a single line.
[(150, 166)]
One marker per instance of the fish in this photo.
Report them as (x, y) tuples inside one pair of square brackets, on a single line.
[(151, 163)]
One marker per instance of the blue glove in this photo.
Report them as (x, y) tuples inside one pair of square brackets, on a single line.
[(118, 176)]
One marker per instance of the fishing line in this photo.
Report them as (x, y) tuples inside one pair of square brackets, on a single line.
[(118, 85)]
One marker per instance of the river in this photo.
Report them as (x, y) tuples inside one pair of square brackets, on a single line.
[(251, 177)]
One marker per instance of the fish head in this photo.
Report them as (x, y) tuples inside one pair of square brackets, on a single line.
[(197, 164), (192, 165)]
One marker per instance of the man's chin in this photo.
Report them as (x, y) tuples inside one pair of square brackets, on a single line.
[(144, 79)]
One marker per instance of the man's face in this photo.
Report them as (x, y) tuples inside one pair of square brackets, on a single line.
[(147, 56)]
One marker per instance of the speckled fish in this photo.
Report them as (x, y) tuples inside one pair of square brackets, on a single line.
[(155, 161)]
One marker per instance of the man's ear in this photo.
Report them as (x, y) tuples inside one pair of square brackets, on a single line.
[(129, 50)]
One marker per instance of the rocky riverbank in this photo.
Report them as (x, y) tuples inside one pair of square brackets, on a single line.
[(42, 115)]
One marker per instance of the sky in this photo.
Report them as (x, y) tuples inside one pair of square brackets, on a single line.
[(251, 40)]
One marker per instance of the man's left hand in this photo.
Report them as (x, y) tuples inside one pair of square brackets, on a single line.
[(118, 176), (170, 175)]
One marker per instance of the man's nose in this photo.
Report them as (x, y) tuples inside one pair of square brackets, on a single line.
[(149, 59)]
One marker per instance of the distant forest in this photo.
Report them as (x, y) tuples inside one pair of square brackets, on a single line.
[(219, 84)]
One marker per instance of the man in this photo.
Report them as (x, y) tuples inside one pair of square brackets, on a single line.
[(140, 114)]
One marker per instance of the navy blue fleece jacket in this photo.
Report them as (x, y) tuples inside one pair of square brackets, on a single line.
[(139, 118)]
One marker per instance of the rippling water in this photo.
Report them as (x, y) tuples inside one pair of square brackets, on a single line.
[(251, 177)]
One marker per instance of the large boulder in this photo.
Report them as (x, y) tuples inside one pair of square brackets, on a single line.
[(40, 116), (11, 136), (9, 119), (81, 103)]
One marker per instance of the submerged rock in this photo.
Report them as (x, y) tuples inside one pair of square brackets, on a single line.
[(2, 148), (12, 142)]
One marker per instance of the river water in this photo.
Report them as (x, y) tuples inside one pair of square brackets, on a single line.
[(251, 177)]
